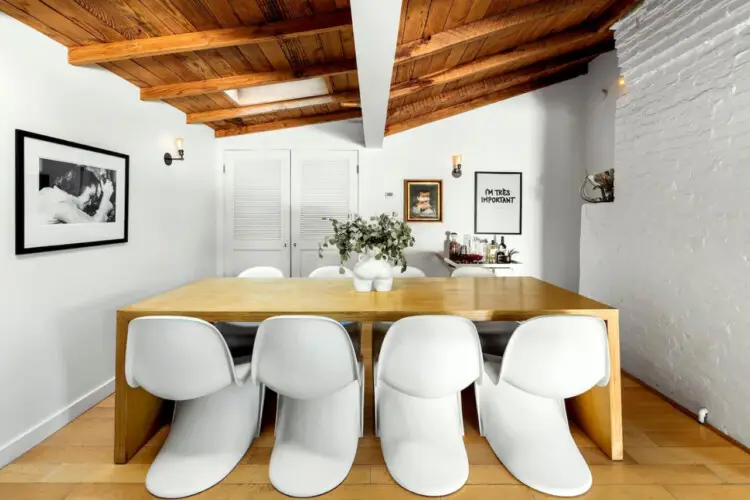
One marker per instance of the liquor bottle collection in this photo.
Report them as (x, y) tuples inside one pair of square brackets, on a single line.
[(476, 250)]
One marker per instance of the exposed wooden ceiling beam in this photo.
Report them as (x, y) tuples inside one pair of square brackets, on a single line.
[(211, 39), (271, 107), (439, 114), (520, 56), (289, 123), (375, 37), (615, 12), (493, 84), (482, 28), (241, 81)]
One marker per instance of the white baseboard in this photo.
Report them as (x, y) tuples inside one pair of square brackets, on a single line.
[(32, 437)]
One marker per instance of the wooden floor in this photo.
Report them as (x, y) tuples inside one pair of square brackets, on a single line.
[(667, 456)]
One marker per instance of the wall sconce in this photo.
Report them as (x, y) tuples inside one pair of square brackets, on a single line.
[(456, 166), (168, 159)]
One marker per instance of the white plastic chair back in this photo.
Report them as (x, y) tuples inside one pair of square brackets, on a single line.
[(175, 357), (410, 272), (430, 356), (557, 356), (303, 357), (472, 272), (261, 272), (331, 272)]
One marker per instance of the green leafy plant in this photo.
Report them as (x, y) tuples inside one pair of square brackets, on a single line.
[(385, 235)]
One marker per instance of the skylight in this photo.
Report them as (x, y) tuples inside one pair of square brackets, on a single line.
[(279, 91)]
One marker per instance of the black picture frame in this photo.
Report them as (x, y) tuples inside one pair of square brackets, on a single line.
[(21, 248), (520, 202)]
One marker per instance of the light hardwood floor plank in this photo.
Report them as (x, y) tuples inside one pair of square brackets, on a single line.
[(723, 492)]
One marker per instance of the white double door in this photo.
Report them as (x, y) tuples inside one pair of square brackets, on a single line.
[(275, 205)]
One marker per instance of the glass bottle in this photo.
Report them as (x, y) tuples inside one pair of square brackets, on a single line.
[(502, 251), (454, 247)]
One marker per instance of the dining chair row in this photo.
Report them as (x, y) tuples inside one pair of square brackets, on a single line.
[(422, 366)]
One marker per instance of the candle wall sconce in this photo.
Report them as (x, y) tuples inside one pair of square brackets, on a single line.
[(456, 172), (168, 158)]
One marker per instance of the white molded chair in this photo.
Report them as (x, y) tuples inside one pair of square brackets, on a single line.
[(472, 272), (494, 335), (217, 409), (261, 272), (424, 363), (331, 272), (240, 335), (310, 362), (410, 272), (521, 399)]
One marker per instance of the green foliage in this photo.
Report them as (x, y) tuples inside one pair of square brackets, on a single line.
[(383, 234)]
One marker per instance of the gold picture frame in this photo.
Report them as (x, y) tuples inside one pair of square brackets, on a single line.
[(423, 200)]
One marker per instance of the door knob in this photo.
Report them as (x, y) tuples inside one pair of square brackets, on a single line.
[(294, 245), (285, 244)]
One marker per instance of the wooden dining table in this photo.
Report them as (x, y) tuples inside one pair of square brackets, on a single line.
[(138, 414)]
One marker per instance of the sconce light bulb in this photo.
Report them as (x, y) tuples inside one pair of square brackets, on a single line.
[(456, 160), (621, 81), (178, 142)]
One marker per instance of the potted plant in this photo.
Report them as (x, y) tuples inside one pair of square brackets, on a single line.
[(379, 241)]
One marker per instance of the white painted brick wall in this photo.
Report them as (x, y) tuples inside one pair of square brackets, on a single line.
[(673, 251)]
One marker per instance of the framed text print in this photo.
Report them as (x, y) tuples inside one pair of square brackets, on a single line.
[(497, 202), (68, 195)]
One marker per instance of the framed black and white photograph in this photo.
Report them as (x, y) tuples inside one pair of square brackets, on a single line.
[(497, 202), (68, 195)]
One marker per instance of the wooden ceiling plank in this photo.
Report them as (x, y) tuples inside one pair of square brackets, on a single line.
[(50, 17), (32, 22), (493, 97), (259, 109), (289, 123), (241, 81), (615, 12), (204, 40), (523, 55), (480, 29), (498, 82)]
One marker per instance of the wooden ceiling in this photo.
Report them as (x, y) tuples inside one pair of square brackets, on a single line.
[(451, 55)]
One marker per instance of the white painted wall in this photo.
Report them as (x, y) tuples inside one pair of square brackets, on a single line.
[(57, 310), (539, 134), (672, 251)]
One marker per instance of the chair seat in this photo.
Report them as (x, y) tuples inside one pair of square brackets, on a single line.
[(429, 467), (299, 471)]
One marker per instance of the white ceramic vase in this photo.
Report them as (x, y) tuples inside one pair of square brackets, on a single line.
[(371, 273)]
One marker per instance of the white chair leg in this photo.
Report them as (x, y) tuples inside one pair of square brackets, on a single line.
[(316, 441), (422, 442), (531, 437), (208, 438)]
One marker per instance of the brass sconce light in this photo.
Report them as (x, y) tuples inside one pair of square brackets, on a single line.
[(168, 158)]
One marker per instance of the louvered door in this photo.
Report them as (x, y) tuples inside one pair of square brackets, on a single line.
[(324, 184), (257, 211)]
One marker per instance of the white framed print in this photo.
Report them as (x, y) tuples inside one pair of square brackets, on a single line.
[(68, 195), (497, 202)]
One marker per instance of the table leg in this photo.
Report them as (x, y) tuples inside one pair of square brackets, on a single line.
[(136, 411), (599, 411), (366, 347)]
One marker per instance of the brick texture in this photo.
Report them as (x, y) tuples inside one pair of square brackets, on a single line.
[(673, 251)]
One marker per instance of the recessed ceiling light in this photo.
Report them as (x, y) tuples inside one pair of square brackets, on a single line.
[(274, 92)]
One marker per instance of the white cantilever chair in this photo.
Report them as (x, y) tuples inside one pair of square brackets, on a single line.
[(521, 399), (261, 272), (494, 335), (240, 335), (331, 272), (424, 363), (410, 272), (472, 272), (217, 409), (310, 362)]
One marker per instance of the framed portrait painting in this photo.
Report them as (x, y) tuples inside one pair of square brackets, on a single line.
[(423, 200), (68, 195)]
